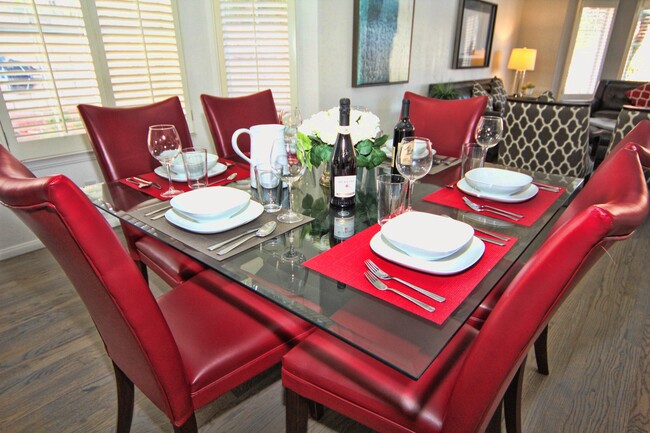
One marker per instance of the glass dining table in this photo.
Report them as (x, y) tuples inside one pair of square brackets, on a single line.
[(274, 269)]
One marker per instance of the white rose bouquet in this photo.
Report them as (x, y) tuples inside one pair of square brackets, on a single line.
[(317, 135)]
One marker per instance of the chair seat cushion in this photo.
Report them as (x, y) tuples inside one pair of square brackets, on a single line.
[(327, 370), (171, 265), (225, 333)]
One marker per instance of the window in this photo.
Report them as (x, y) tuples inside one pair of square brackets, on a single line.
[(257, 48), (588, 47), (55, 54), (637, 64)]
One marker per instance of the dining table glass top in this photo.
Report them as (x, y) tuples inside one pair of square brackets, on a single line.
[(274, 269)]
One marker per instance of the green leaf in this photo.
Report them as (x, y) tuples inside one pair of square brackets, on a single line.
[(364, 147), (381, 140), (377, 157)]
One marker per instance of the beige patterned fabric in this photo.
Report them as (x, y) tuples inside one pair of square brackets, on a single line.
[(627, 119), (478, 90), (499, 94), (550, 137)]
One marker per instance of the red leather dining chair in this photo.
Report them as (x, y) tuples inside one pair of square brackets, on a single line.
[(226, 115), (462, 389), (182, 350), (119, 139), (448, 124)]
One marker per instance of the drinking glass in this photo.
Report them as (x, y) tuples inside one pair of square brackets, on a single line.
[(164, 144), (413, 161), (488, 133), (288, 168)]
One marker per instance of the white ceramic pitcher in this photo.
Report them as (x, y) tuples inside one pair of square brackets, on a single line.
[(262, 138)]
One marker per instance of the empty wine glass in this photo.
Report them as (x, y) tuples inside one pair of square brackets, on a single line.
[(413, 161), (288, 168), (291, 119), (164, 144), (488, 133)]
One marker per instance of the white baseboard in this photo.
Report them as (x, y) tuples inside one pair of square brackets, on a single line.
[(17, 250)]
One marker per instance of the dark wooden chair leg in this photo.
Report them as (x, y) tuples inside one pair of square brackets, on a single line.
[(512, 401), (190, 426), (541, 352), (316, 410), (125, 401), (495, 422), (297, 413), (143, 269)]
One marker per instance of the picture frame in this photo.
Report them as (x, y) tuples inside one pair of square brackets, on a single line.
[(382, 42), (473, 46)]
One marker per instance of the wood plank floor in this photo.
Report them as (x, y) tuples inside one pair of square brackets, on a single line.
[(55, 377)]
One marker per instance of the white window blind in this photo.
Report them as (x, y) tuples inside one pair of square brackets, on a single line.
[(637, 65), (56, 54), (139, 40), (256, 55), (589, 49), (46, 67)]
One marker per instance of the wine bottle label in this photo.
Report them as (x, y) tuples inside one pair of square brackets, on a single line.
[(345, 186), (406, 155), (343, 227), (344, 130)]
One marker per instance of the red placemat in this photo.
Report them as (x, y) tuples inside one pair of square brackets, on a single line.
[(242, 170), (531, 209), (344, 263)]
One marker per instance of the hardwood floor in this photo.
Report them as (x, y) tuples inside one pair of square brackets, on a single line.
[(55, 376)]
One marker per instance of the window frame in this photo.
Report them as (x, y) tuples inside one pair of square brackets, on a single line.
[(645, 4), (79, 143)]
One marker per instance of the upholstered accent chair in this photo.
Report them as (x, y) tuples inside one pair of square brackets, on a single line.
[(551, 137), (182, 350), (627, 119)]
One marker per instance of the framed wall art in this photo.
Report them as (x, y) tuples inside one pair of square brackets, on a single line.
[(382, 42), (474, 37)]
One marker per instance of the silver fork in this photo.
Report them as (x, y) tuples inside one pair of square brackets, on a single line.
[(485, 208), (383, 287), (382, 275)]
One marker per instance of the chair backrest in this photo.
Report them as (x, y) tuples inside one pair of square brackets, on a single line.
[(226, 115), (447, 123), (132, 327), (119, 135), (551, 137), (628, 118), (537, 292)]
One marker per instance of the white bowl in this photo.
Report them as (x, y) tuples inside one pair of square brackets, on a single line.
[(497, 181), (205, 204), (427, 236), (178, 167)]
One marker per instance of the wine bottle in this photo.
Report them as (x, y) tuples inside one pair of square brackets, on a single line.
[(341, 225), (343, 166), (403, 129)]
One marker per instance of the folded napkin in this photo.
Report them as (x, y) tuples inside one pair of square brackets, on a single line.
[(345, 263), (243, 172), (531, 209)]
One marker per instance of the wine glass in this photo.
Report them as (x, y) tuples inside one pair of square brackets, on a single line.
[(291, 119), (413, 160), (288, 168), (488, 133), (164, 144)]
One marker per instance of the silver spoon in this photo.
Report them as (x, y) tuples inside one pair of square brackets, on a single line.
[(231, 177), (263, 231)]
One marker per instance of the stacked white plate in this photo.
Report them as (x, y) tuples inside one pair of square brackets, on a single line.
[(428, 243), (212, 210), (498, 185), (178, 169)]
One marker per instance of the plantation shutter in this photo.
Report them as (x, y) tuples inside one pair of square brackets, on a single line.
[(256, 56), (46, 67)]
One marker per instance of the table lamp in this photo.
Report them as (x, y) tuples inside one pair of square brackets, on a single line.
[(521, 60)]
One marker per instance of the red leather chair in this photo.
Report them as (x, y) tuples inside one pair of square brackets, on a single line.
[(119, 139), (464, 386), (226, 115), (448, 124), (183, 350)]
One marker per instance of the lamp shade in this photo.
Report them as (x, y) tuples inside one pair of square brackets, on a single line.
[(522, 59)]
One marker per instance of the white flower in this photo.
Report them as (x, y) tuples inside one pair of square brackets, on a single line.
[(364, 125)]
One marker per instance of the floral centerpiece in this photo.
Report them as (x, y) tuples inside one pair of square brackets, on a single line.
[(316, 137)]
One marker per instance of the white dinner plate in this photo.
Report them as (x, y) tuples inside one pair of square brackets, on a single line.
[(524, 195), (453, 264), (180, 177), (206, 204), (252, 211)]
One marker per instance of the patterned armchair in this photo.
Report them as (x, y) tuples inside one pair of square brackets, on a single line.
[(627, 119), (551, 137)]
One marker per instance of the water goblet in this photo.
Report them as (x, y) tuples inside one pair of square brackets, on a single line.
[(488, 133), (413, 160), (164, 144), (286, 165), (291, 119)]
